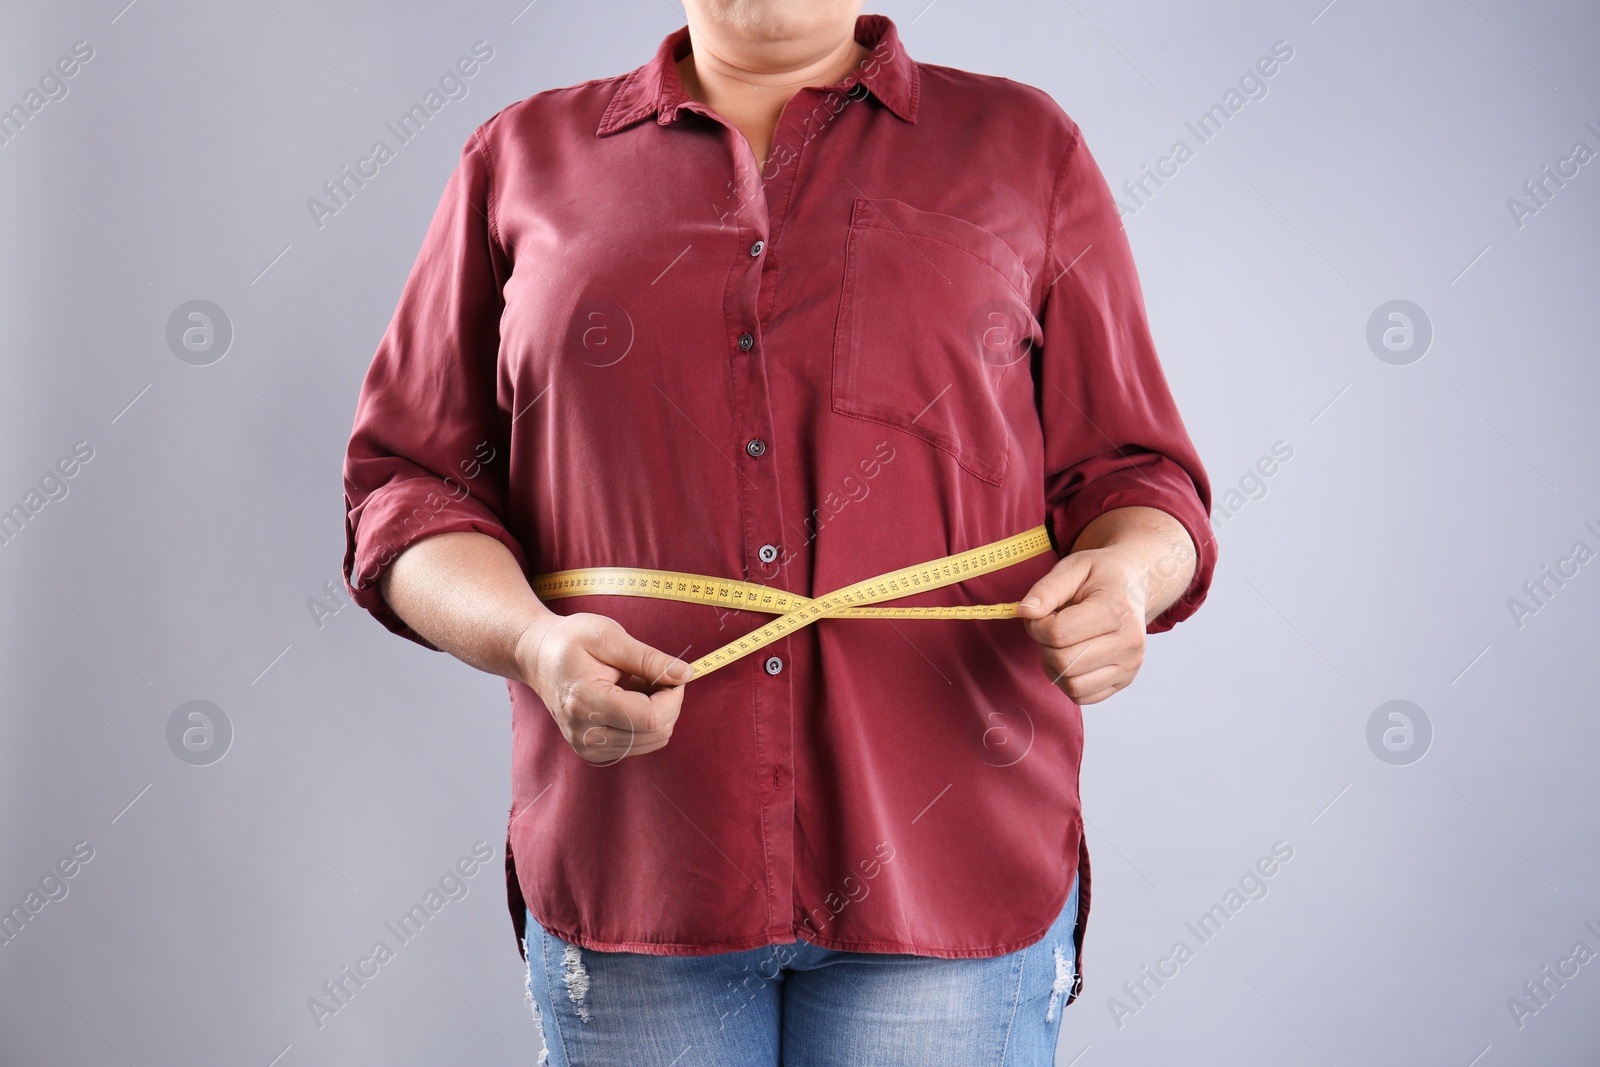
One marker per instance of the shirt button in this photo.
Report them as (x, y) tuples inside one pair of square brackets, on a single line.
[(774, 664), (756, 447), (755, 249), (768, 553), (746, 342)]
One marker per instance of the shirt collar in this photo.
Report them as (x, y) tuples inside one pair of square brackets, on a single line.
[(655, 88)]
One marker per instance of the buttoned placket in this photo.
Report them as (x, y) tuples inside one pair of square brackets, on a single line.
[(753, 242)]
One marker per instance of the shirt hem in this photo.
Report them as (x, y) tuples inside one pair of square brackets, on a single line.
[(889, 947), (659, 948), (521, 911), (682, 948)]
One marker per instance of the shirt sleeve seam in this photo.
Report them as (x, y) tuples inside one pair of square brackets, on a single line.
[(491, 213), (1055, 207)]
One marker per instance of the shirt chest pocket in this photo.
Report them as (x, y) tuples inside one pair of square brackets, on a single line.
[(933, 325)]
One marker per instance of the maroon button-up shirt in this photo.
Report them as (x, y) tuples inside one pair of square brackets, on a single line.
[(916, 331)]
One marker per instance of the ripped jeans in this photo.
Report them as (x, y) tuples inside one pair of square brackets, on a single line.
[(800, 1005)]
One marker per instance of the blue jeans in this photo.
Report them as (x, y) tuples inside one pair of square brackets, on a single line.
[(800, 1005)]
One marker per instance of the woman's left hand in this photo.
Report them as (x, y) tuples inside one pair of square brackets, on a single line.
[(1088, 617), (1089, 614)]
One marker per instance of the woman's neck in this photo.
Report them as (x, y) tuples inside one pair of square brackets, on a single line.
[(748, 81)]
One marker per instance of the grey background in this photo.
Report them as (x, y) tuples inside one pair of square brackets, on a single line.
[(1376, 565)]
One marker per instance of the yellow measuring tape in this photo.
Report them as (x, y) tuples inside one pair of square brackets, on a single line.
[(795, 612)]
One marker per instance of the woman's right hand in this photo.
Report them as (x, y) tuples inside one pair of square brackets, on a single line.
[(612, 695)]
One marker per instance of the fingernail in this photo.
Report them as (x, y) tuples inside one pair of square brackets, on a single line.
[(1030, 602)]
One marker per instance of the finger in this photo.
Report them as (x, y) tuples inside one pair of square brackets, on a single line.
[(1106, 693), (1095, 685), (602, 702), (1085, 656), (597, 741), (1054, 589), (604, 745), (1091, 617), (636, 684), (615, 647)]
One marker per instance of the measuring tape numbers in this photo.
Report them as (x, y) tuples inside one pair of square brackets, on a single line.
[(794, 611)]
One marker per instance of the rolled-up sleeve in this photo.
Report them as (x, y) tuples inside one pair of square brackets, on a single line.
[(428, 453), (1112, 434)]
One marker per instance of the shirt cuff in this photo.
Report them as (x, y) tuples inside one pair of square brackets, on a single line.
[(394, 517), (1162, 485)]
